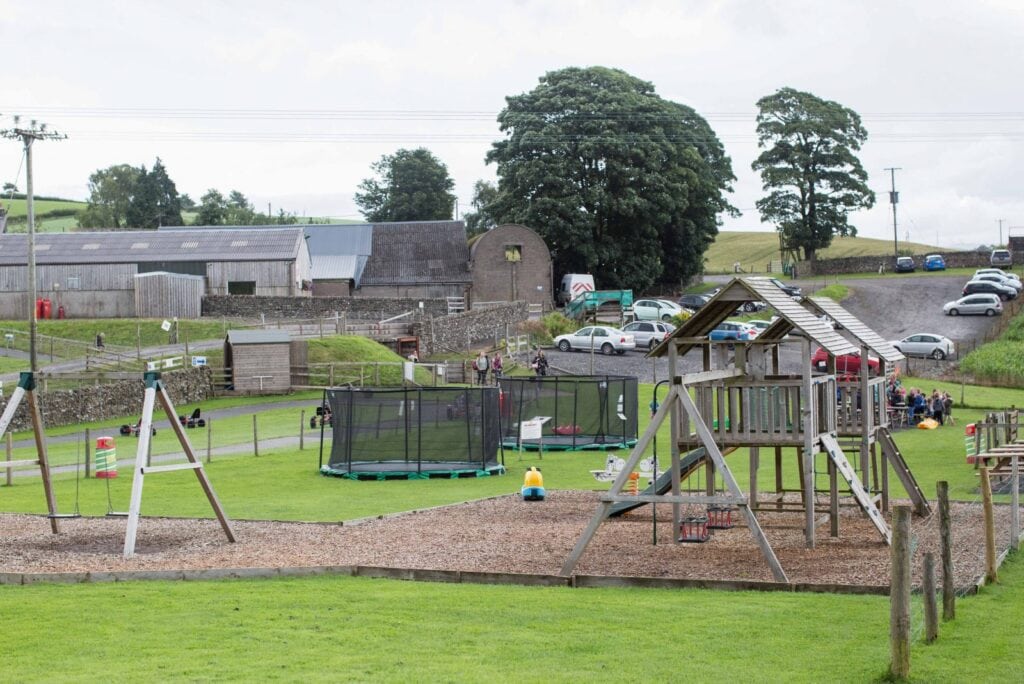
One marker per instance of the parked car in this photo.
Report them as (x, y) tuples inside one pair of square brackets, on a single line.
[(603, 337), (988, 304), (1001, 257), (730, 330), (1005, 292), (791, 290), (934, 262), (759, 325), (648, 334), (1000, 279), (693, 301), (752, 307), (905, 264), (925, 344), (847, 364), (998, 271), (655, 310)]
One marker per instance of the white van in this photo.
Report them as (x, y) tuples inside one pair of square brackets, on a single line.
[(573, 285)]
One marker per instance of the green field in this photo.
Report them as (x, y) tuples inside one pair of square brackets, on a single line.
[(755, 250), (16, 208)]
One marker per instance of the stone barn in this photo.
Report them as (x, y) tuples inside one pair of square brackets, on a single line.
[(511, 263), (259, 360)]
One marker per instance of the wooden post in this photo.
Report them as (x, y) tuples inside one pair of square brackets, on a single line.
[(209, 439), (991, 575), (88, 451), (255, 437), (946, 549), (302, 429), (1015, 502), (10, 450), (899, 595), (376, 373), (833, 500), (931, 608), (330, 381)]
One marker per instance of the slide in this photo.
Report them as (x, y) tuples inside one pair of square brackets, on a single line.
[(687, 465)]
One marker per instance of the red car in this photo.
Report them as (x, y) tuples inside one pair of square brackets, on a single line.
[(847, 364)]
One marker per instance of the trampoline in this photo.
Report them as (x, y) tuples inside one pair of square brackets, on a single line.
[(413, 433), (584, 411)]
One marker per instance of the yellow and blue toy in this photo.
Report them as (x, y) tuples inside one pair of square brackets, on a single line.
[(533, 485)]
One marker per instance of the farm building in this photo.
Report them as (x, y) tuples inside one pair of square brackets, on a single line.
[(339, 254), (510, 263), (168, 295), (426, 259), (92, 275), (259, 360)]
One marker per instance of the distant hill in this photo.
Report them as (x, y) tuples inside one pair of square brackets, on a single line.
[(54, 215), (754, 250)]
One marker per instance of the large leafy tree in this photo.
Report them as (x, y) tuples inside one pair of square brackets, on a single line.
[(618, 181), (481, 218), (810, 168), (409, 185), (125, 196), (213, 209)]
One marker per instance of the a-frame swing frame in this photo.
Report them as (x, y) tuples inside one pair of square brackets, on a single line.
[(26, 389), (155, 390), (678, 400)]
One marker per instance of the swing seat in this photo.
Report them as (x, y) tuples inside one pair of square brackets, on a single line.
[(63, 516)]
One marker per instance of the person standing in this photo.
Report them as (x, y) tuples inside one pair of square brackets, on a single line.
[(540, 363), (938, 407), (497, 367), (482, 364)]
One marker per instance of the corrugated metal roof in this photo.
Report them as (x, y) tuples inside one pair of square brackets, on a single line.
[(338, 239), (740, 290), (338, 267), (422, 252), (856, 328), (259, 336), (280, 244)]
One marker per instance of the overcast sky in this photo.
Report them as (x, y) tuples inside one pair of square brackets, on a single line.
[(290, 103)]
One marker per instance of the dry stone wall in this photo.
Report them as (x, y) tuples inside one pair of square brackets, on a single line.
[(870, 264), (361, 308), (459, 332), (112, 400)]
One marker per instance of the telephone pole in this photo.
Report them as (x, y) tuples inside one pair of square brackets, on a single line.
[(1000, 244), (894, 199), (28, 135)]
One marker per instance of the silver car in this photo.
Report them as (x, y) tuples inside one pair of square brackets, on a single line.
[(648, 334), (926, 344), (988, 304), (603, 337), (1000, 279)]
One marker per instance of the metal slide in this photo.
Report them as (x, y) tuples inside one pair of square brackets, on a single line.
[(687, 466)]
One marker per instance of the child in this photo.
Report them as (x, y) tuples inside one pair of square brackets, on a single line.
[(497, 367)]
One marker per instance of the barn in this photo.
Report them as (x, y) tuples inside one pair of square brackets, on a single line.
[(510, 263), (93, 274), (428, 259)]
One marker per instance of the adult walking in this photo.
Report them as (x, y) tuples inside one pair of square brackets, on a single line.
[(482, 364), (497, 366)]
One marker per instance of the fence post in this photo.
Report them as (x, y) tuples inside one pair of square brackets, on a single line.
[(320, 320), (376, 373), (899, 595), (931, 608), (209, 439), (88, 451), (1015, 502), (991, 575), (255, 437), (302, 429), (331, 379), (10, 452), (946, 550)]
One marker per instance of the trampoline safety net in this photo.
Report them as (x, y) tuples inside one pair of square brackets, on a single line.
[(413, 433), (585, 411)]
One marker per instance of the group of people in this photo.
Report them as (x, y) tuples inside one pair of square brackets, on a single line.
[(938, 405), (484, 364)]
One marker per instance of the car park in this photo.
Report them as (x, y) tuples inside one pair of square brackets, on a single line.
[(1000, 279), (982, 303), (730, 331), (605, 338), (925, 344), (693, 301), (847, 364), (648, 334), (655, 310), (905, 264), (934, 262), (1004, 292), (1001, 257)]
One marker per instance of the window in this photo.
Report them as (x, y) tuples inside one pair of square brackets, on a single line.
[(74, 283), (242, 287), (514, 253)]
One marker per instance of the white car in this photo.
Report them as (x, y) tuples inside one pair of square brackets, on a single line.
[(981, 303), (998, 271), (649, 334), (655, 310), (1000, 279), (925, 344), (605, 338)]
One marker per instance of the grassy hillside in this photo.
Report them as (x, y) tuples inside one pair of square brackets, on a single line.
[(755, 249), (52, 215)]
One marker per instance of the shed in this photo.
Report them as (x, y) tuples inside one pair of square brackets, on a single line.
[(510, 263), (168, 295), (259, 360)]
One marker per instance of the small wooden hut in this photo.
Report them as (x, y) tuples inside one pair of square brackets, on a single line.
[(258, 360)]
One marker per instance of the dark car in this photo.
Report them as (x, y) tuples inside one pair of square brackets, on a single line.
[(693, 301), (791, 290), (984, 286), (905, 265)]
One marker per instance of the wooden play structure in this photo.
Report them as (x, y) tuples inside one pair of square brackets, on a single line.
[(744, 401), (155, 390)]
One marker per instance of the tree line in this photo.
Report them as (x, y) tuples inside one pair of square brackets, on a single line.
[(621, 182)]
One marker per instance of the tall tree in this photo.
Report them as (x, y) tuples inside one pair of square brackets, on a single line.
[(111, 191), (810, 168), (213, 209), (166, 202), (410, 185), (240, 211), (617, 180), (481, 219)]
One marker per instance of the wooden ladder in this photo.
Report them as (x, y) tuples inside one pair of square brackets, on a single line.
[(899, 464), (835, 453)]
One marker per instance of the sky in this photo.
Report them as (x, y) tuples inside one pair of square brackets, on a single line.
[(291, 103)]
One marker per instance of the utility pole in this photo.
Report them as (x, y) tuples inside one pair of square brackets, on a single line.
[(34, 131), (1000, 243), (894, 199)]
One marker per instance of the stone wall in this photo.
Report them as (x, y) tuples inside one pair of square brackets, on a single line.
[(460, 332), (869, 264), (361, 308), (112, 400)]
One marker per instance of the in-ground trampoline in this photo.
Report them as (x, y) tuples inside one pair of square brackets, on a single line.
[(584, 411), (413, 433)]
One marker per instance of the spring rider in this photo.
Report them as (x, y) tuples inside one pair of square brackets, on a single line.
[(533, 485)]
